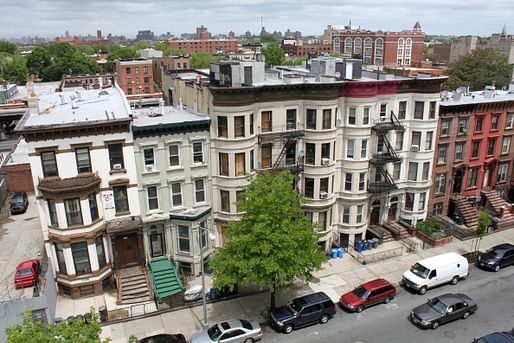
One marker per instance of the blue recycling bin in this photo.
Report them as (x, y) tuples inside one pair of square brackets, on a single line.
[(334, 253), (358, 246), (214, 293), (365, 245), (340, 252)]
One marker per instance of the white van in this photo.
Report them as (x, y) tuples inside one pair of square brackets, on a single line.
[(436, 270)]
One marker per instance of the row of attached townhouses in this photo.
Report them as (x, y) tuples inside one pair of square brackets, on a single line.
[(124, 194)]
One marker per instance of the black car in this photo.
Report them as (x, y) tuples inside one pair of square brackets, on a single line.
[(443, 309), (303, 311), (164, 338), (497, 257), (497, 337), (19, 202)]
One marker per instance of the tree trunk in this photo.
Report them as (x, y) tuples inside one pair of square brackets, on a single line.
[(273, 295)]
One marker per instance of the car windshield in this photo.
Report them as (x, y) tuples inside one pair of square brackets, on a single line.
[(214, 332), (17, 199), (24, 272), (495, 253), (360, 292), (420, 271), (437, 305), (294, 306)]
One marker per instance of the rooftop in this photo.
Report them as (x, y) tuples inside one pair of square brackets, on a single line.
[(462, 96), (162, 115)]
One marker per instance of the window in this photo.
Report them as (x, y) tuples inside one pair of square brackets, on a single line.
[(409, 201), (397, 168), (364, 149), (83, 160), (176, 194), (509, 121), (463, 126), (239, 126), (266, 156), (240, 164), (433, 107), (506, 144), (440, 183), (156, 244), (323, 184), (413, 171), (308, 216), (223, 159), (61, 261), (472, 178), (422, 201), (222, 126), (348, 181), (494, 122), (153, 199), (116, 156), (352, 113), (240, 199), (416, 139), (252, 162), (183, 238), (426, 170), (310, 153), (120, 199), (149, 159), (145, 70), (197, 152), (383, 111), (327, 118), (438, 208), (251, 124), (174, 155), (445, 128), (348, 46), (459, 148), (225, 200), (291, 119), (402, 109), (441, 156), (325, 150), (490, 146), (80, 258), (349, 148), (52, 212), (362, 181), (322, 221), (93, 206), (49, 164), (73, 212), (428, 140), (360, 210), (127, 70), (502, 172), (311, 119), (418, 109), (199, 190), (346, 215), (365, 116), (266, 121), (476, 149), (478, 124), (100, 252), (309, 187), (399, 141)]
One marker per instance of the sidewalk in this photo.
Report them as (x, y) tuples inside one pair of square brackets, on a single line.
[(336, 277)]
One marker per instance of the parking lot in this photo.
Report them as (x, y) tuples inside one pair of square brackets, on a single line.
[(20, 239)]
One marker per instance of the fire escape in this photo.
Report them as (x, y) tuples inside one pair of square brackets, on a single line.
[(380, 179)]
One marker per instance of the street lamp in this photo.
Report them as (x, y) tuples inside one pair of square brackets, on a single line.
[(204, 301)]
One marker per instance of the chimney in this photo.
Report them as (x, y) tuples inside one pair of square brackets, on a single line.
[(32, 100), (161, 106), (63, 102), (101, 82)]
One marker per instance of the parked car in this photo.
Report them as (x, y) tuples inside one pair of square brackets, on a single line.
[(230, 331), (303, 311), (435, 271), (164, 338), (19, 202), (497, 257), (443, 309), (368, 294), (496, 337), (26, 273)]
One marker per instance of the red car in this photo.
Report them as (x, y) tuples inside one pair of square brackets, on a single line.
[(26, 273), (368, 294)]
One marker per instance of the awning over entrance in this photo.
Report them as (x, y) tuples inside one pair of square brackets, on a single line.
[(165, 279), (125, 224)]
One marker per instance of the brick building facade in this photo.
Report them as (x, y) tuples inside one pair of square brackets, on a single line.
[(204, 45)]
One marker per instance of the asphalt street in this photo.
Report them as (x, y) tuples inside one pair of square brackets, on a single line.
[(494, 293)]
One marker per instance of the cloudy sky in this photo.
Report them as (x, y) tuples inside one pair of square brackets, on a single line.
[(49, 18)]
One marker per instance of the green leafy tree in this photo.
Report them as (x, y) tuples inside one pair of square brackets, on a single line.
[(274, 54), (38, 60), (162, 46), (119, 53), (14, 70), (7, 47), (76, 331), (201, 60), (478, 69), (484, 221), (273, 243)]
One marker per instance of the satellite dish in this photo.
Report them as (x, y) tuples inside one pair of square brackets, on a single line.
[(461, 90)]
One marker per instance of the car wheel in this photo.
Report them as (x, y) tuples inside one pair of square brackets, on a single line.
[(465, 315), (423, 290), (435, 325), (324, 319), (455, 280), (288, 328), (497, 268), (359, 308), (387, 299), (249, 340)]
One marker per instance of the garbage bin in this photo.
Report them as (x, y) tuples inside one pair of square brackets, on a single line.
[(365, 245), (358, 246), (102, 313), (334, 253), (370, 244), (375, 242), (340, 252), (213, 293)]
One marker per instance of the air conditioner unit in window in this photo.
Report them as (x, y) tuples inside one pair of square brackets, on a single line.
[(325, 161), (414, 148), (323, 195), (116, 166), (149, 167)]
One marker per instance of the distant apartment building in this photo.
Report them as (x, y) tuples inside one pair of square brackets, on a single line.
[(300, 50), (379, 47), (204, 45), (87, 81), (149, 53), (135, 78), (147, 35), (462, 46), (81, 40), (161, 65)]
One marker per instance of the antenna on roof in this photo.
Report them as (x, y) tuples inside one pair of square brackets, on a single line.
[(63, 102)]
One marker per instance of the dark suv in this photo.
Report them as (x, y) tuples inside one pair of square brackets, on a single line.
[(303, 311), (497, 257)]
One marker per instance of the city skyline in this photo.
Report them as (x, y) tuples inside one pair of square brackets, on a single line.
[(52, 18)]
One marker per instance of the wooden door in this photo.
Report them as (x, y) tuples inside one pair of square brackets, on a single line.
[(127, 251)]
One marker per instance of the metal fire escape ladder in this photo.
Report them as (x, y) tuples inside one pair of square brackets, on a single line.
[(389, 155), (280, 157)]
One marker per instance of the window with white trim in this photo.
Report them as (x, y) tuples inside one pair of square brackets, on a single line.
[(183, 238), (200, 190), (149, 159), (503, 169), (174, 155), (152, 197), (198, 152), (506, 144), (176, 194)]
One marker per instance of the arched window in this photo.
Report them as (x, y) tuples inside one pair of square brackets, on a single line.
[(408, 49), (379, 51), (399, 52), (337, 44), (368, 50), (348, 46), (357, 49)]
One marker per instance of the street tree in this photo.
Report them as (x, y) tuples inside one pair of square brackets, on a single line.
[(273, 54), (478, 69), (484, 221), (273, 243), (75, 331)]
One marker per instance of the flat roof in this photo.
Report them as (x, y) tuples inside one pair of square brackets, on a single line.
[(150, 116), (477, 97), (40, 88)]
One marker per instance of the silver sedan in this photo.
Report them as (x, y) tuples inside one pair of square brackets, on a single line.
[(230, 331)]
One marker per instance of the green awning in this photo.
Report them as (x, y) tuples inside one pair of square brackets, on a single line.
[(165, 279)]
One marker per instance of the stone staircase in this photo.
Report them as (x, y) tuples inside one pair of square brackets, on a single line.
[(467, 211), (133, 286), (381, 233), (500, 207), (397, 229)]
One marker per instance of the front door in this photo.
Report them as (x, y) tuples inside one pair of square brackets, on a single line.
[(374, 218), (457, 181), (127, 251)]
